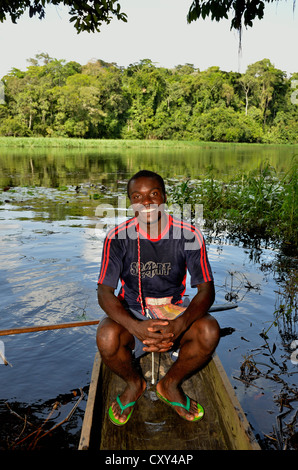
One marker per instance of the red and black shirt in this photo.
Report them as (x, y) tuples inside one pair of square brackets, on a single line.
[(164, 261)]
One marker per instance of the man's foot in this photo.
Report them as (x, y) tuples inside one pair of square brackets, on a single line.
[(185, 407), (119, 412)]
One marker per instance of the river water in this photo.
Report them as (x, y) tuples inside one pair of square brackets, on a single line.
[(50, 251)]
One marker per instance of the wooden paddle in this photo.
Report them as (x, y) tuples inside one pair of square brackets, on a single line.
[(31, 329)]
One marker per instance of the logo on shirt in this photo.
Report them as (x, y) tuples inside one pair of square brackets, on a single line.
[(150, 269)]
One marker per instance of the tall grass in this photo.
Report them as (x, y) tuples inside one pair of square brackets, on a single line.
[(73, 142), (256, 206), (61, 142)]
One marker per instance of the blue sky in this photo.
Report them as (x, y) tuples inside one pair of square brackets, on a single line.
[(156, 30)]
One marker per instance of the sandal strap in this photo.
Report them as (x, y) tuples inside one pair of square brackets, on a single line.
[(123, 407), (175, 403)]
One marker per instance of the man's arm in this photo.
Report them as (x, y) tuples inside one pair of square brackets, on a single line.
[(113, 307), (199, 305)]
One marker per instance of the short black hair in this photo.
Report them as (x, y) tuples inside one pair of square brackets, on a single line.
[(147, 174)]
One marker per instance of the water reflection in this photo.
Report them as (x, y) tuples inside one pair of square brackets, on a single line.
[(57, 167)]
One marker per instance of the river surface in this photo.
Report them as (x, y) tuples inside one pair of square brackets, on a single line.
[(50, 251)]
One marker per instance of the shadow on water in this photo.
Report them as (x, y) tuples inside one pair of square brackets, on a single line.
[(41, 426)]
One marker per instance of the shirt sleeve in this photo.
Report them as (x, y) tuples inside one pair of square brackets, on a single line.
[(197, 260), (111, 261)]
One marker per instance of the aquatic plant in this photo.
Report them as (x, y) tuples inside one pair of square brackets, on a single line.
[(258, 206), (286, 308)]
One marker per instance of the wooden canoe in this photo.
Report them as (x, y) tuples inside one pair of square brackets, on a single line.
[(156, 426)]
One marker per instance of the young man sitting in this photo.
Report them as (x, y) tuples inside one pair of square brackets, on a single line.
[(150, 254)]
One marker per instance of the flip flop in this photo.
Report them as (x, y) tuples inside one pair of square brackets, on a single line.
[(186, 407), (122, 408)]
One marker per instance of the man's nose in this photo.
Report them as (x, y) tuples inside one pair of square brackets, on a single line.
[(146, 200)]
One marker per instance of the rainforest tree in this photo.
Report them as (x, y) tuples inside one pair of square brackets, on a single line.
[(101, 100)]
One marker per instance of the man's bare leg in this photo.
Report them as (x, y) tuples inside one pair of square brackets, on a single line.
[(115, 345), (196, 347)]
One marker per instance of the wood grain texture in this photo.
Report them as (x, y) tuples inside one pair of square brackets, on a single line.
[(156, 426)]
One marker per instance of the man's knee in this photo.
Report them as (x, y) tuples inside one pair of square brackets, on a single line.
[(110, 337), (207, 333)]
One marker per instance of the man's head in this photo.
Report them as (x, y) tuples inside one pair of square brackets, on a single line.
[(147, 174), (146, 191)]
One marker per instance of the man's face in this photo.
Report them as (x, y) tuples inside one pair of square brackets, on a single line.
[(146, 196)]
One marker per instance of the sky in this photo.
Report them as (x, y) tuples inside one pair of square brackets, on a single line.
[(156, 30)]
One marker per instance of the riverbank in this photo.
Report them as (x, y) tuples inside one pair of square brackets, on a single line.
[(65, 142)]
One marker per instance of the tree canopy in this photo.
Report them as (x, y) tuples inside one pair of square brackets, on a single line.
[(89, 15), (244, 12), (55, 98)]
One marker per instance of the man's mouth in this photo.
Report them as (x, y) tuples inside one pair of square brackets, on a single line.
[(147, 211)]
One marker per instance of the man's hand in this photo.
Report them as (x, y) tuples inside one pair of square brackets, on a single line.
[(155, 335), (172, 330)]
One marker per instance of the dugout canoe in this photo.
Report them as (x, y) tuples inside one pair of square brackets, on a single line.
[(156, 426)]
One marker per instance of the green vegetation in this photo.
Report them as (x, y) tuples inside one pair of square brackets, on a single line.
[(59, 99), (109, 144), (85, 15), (255, 206)]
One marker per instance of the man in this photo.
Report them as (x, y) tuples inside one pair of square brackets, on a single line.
[(149, 254)]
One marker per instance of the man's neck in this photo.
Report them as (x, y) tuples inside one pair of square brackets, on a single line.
[(154, 229)]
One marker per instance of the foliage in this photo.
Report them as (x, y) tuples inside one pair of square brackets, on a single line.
[(55, 98), (89, 15), (286, 313), (86, 15), (255, 206), (244, 12)]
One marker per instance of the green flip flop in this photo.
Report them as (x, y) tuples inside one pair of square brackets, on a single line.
[(186, 407), (122, 408)]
